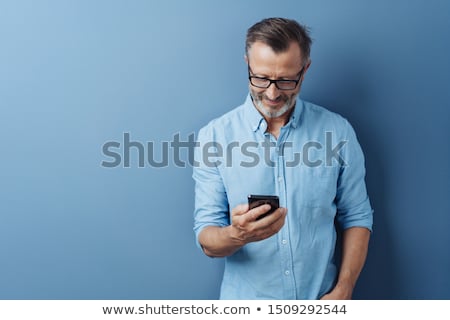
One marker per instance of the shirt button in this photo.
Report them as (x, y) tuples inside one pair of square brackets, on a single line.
[(284, 241), (280, 179), (287, 272)]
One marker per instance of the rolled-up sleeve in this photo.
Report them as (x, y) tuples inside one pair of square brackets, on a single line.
[(211, 204), (352, 201)]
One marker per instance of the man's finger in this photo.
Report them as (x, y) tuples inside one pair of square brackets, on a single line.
[(259, 211), (240, 209), (273, 217)]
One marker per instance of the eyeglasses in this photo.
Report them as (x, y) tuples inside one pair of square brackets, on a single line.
[(281, 84)]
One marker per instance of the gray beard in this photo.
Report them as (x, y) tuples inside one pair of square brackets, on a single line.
[(274, 114)]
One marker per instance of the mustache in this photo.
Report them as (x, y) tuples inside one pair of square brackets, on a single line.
[(282, 97)]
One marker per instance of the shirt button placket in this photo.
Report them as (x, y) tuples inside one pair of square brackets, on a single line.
[(285, 247)]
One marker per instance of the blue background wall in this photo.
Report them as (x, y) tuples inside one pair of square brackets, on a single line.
[(76, 74)]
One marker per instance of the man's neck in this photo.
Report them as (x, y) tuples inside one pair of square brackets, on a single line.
[(274, 125)]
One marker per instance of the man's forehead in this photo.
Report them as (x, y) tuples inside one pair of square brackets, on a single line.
[(262, 55), (262, 49)]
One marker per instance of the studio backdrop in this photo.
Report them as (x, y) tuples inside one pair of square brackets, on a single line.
[(100, 102)]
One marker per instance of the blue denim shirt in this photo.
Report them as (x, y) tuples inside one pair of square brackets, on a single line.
[(316, 167)]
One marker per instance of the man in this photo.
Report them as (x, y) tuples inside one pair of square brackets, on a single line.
[(277, 144)]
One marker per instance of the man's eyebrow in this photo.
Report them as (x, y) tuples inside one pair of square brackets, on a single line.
[(260, 75), (278, 78)]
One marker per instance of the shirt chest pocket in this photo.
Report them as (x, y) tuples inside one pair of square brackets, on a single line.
[(317, 186)]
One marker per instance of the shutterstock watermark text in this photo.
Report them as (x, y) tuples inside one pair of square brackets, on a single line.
[(180, 153)]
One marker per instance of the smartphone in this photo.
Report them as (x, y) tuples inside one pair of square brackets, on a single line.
[(256, 200)]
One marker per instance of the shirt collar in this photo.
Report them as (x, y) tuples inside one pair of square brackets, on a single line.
[(257, 120), (252, 114)]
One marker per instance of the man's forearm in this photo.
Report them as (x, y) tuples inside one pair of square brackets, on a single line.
[(354, 252), (219, 241)]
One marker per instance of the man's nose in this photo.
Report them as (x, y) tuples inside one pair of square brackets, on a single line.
[(272, 92)]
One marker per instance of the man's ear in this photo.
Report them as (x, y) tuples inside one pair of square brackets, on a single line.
[(308, 64), (246, 58), (306, 67)]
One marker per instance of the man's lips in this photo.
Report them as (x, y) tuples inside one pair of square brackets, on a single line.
[(273, 103)]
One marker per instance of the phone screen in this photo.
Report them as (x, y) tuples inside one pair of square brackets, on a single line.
[(256, 200)]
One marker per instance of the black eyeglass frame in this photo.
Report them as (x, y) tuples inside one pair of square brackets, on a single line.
[(276, 82)]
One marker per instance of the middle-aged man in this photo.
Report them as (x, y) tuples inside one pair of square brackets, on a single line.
[(277, 144)]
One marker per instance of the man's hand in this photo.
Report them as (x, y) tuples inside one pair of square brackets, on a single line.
[(224, 241), (247, 228)]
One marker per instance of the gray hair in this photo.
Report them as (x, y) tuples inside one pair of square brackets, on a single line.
[(278, 33)]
